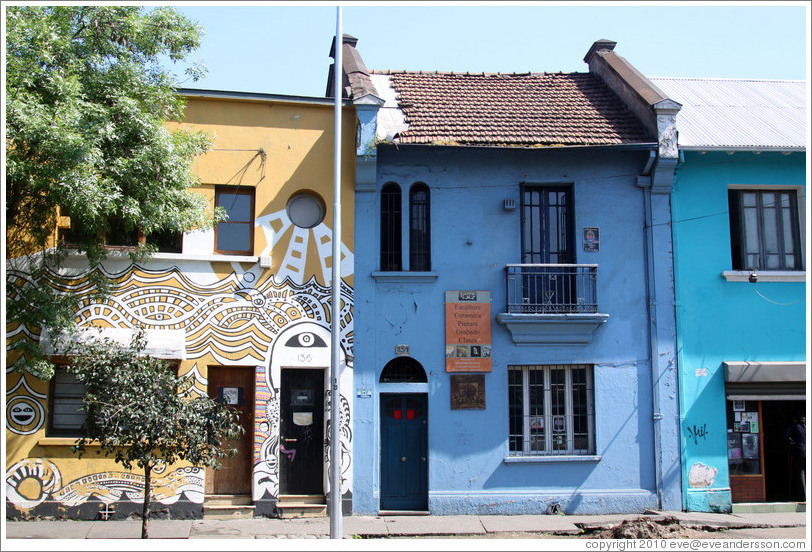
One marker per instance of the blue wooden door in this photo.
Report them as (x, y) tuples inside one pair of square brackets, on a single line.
[(404, 452)]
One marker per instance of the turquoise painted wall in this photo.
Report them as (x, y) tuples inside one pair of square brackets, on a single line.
[(718, 320)]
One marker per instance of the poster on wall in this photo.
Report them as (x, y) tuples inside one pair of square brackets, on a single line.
[(750, 446), (734, 445), (467, 331), (751, 418)]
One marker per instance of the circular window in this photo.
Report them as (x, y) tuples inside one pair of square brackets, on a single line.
[(305, 209)]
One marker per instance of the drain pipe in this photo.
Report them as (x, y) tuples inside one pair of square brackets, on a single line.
[(644, 182)]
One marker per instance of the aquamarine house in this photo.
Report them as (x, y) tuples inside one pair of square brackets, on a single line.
[(514, 319), (738, 221)]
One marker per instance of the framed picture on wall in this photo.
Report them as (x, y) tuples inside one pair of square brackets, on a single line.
[(738, 406)]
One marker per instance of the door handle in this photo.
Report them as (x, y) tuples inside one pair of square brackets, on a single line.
[(290, 440)]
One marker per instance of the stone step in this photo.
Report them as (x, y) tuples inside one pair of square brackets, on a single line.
[(301, 506), (228, 500), (767, 507), (228, 507), (302, 499)]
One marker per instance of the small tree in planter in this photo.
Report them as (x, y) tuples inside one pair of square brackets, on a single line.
[(137, 411)]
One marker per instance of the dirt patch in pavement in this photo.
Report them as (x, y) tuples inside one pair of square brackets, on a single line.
[(644, 528)]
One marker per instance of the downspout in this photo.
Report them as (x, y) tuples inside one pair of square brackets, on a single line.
[(644, 182), (678, 330)]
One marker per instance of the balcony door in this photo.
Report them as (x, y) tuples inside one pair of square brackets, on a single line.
[(548, 238)]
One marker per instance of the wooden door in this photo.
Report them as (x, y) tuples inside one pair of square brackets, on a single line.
[(234, 385), (301, 450), (404, 452)]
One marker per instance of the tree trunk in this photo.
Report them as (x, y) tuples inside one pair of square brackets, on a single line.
[(147, 492)]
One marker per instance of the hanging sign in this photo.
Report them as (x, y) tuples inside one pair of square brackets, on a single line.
[(467, 331)]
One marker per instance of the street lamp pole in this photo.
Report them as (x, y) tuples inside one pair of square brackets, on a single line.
[(335, 325)]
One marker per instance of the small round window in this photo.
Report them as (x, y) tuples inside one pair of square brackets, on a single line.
[(305, 209)]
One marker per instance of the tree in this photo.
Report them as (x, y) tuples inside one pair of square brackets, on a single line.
[(139, 410), (87, 99)]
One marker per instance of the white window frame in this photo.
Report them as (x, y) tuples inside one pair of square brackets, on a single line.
[(548, 414)]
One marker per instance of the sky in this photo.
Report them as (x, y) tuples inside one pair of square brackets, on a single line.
[(283, 48)]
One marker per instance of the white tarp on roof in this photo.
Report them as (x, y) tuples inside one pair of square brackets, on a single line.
[(390, 118), (739, 114)]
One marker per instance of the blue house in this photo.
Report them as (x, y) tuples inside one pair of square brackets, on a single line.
[(739, 268), (514, 317)]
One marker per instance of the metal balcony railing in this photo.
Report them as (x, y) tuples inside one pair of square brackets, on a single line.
[(552, 288)]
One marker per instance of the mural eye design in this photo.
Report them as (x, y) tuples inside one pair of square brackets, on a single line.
[(305, 339)]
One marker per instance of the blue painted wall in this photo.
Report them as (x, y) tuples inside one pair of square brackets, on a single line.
[(473, 238), (719, 320)]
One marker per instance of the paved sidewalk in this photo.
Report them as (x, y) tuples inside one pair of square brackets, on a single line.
[(376, 526)]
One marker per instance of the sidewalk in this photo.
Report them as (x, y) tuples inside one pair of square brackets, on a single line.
[(378, 526)]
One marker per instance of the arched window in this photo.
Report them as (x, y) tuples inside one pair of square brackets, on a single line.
[(419, 228), (391, 248), (403, 370)]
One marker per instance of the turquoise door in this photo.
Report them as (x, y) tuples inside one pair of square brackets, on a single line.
[(404, 452)]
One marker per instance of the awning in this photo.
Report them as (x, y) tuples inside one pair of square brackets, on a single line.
[(165, 344), (765, 381)]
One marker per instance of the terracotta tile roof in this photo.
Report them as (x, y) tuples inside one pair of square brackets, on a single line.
[(530, 109)]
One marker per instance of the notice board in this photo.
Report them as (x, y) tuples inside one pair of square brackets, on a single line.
[(467, 331)]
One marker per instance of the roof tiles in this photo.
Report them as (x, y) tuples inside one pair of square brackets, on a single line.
[(529, 109)]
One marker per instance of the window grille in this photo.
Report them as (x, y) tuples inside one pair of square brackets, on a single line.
[(391, 248), (551, 410), (403, 370), (419, 228), (66, 412)]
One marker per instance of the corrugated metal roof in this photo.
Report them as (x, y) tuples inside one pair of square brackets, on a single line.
[(738, 114)]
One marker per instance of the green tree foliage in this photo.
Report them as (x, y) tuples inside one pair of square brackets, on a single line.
[(87, 98), (142, 413)]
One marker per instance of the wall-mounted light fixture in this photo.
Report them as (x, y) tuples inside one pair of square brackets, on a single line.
[(753, 278), (510, 204)]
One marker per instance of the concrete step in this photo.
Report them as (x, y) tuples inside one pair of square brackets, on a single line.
[(767, 507), (301, 506), (228, 507)]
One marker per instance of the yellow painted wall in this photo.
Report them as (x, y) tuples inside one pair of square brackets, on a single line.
[(297, 141)]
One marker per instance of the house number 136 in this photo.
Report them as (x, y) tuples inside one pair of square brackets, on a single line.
[(304, 358)]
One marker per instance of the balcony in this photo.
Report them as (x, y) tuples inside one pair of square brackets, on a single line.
[(551, 303)]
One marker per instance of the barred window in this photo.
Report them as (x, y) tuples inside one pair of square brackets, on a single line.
[(391, 247), (551, 410), (66, 412), (419, 228)]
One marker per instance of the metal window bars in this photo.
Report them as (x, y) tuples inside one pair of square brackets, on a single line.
[(552, 288)]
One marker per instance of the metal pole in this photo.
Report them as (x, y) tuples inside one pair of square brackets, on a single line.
[(335, 326)]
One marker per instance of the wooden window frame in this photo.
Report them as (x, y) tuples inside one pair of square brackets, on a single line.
[(738, 232), (251, 192)]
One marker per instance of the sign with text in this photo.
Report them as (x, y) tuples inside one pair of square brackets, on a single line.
[(467, 331)]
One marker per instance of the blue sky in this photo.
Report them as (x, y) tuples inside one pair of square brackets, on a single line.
[(284, 49)]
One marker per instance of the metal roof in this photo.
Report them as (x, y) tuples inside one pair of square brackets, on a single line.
[(739, 114)]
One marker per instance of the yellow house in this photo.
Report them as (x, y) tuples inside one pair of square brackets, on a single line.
[(244, 311)]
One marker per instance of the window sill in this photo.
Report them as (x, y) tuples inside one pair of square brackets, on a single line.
[(63, 442), (125, 256), (404, 276), (551, 459), (765, 275)]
